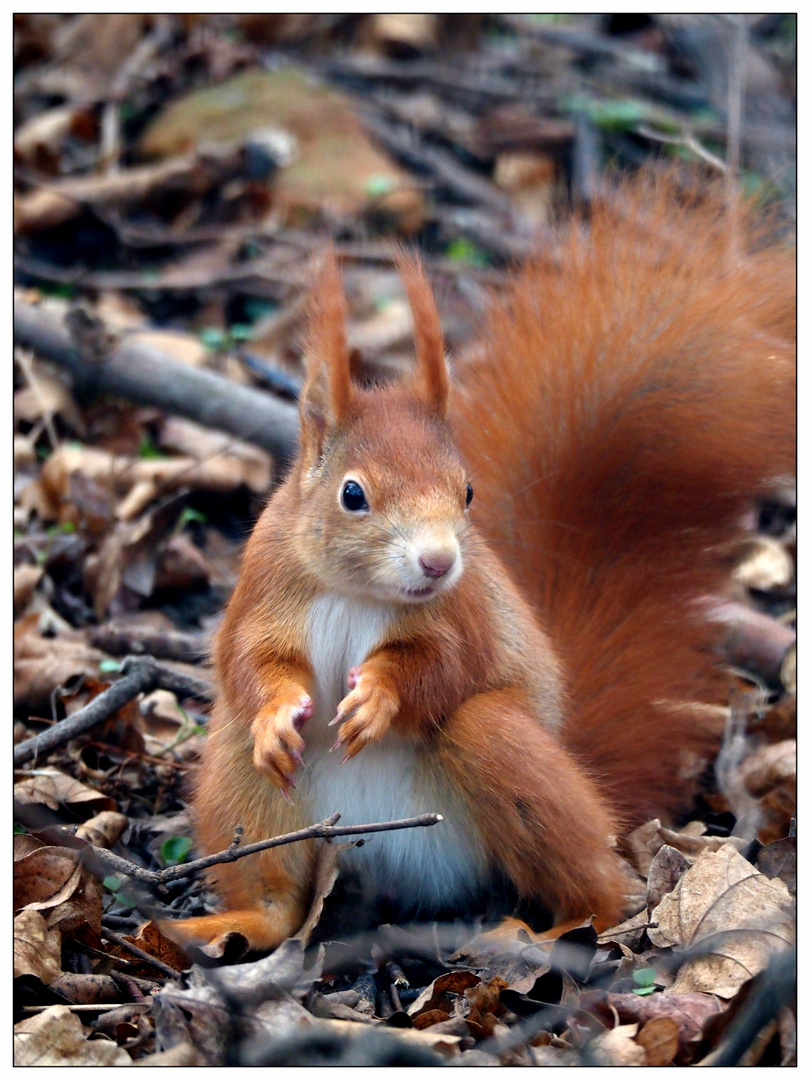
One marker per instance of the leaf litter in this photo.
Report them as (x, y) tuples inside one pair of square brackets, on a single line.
[(129, 522)]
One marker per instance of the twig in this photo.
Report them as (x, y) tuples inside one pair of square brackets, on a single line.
[(688, 142), (107, 862), (141, 373), (141, 674), (57, 201), (111, 935), (325, 829)]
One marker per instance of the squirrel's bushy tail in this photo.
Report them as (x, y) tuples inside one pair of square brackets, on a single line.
[(636, 393)]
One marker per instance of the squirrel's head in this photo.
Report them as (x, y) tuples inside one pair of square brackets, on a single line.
[(383, 491)]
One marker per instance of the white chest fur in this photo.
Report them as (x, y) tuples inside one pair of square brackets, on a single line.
[(420, 868)]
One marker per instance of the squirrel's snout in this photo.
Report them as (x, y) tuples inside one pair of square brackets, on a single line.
[(436, 564)]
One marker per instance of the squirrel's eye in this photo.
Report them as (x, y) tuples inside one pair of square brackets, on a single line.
[(353, 497), (469, 494)]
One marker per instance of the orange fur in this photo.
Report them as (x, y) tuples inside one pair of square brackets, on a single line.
[(633, 400), (630, 400)]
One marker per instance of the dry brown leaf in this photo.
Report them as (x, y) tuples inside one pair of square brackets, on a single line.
[(337, 169), (770, 766), (325, 875), (56, 1037), (435, 996), (778, 860), (90, 50), (104, 829), (37, 950), (659, 1037), (46, 396), (46, 877), (689, 1011), (24, 844), (44, 131), (666, 870), (627, 933), (397, 34), (723, 905), (150, 939), (530, 178), (647, 840), (43, 664), (618, 1047), (129, 557), (120, 475), (82, 989), (192, 440), (55, 789), (52, 880), (26, 579)]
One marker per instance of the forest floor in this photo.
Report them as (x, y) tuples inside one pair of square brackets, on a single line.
[(174, 177)]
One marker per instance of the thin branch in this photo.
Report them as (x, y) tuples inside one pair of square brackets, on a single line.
[(141, 675), (688, 142), (324, 829)]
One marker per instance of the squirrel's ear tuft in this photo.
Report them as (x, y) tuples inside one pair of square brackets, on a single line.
[(432, 377), (328, 392)]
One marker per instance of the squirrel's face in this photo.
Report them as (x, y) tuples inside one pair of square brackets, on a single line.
[(384, 511)]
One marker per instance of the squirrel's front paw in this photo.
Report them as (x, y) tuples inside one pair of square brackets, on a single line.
[(277, 743), (366, 713)]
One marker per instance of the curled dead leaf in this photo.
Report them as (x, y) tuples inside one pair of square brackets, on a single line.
[(104, 829), (37, 949)]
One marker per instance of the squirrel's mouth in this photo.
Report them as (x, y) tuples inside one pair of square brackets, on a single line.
[(419, 594)]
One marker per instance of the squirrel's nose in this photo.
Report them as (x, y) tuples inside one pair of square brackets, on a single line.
[(435, 564)]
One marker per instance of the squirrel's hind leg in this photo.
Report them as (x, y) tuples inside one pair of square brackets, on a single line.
[(265, 896), (539, 815)]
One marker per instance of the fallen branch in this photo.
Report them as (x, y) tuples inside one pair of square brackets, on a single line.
[(105, 862), (141, 675), (141, 373), (124, 639), (57, 201)]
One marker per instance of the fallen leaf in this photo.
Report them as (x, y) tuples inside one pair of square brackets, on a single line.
[(688, 1011), (150, 939), (26, 579), (56, 1037), (43, 664), (57, 790), (724, 907), (104, 829), (778, 860), (336, 170), (37, 950), (325, 875), (659, 1037), (666, 870), (618, 1047), (442, 991)]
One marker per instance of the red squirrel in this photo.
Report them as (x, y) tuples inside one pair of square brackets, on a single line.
[(489, 599)]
